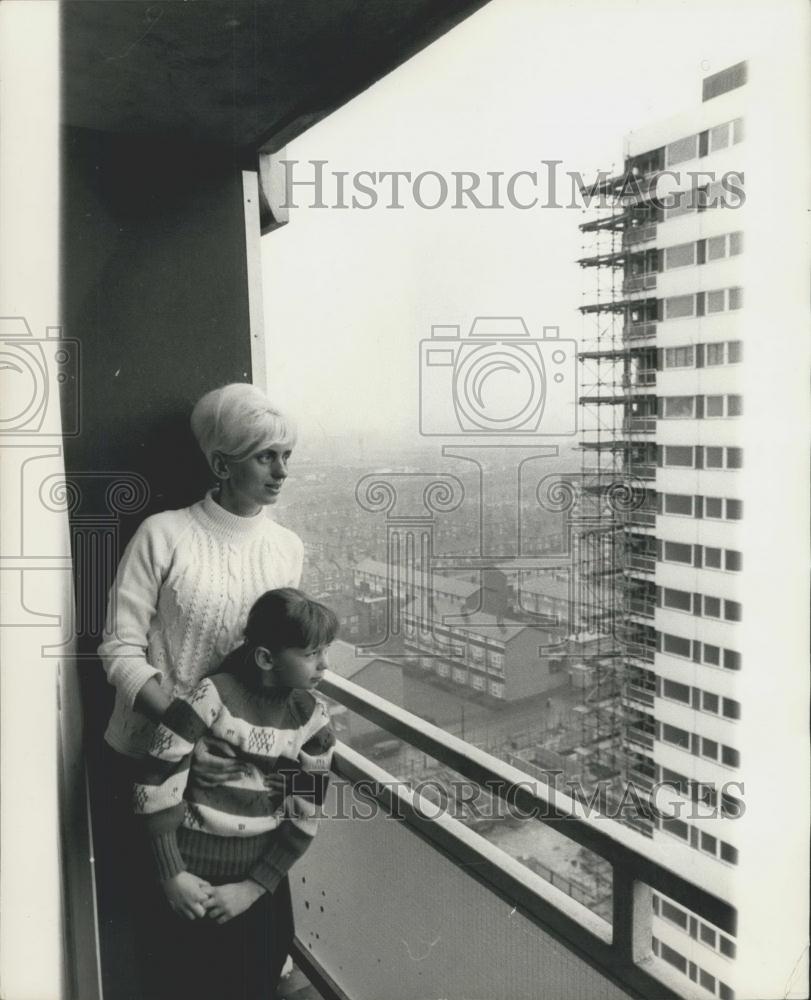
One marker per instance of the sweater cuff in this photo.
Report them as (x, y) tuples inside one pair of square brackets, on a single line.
[(167, 855), (134, 680), (274, 866)]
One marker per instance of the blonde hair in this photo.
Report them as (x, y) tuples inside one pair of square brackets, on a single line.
[(238, 420)]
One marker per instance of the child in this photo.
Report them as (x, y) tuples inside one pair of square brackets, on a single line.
[(222, 853)]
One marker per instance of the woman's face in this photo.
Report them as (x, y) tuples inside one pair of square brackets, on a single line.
[(254, 482)]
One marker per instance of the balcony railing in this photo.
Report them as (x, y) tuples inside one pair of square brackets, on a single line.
[(370, 880), (639, 234), (640, 331), (639, 283)]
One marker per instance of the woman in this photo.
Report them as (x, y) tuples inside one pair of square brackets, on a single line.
[(178, 606)]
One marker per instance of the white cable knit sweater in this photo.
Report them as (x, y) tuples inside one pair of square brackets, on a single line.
[(180, 601)]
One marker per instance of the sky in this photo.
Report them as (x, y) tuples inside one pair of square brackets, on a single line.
[(350, 293)]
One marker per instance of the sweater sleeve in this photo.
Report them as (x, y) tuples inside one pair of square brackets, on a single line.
[(302, 805), (131, 606), (164, 774)]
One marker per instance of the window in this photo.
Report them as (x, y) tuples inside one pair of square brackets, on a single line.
[(727, 947), (735, 351), (681, 600), (735, 298), (716, 301), (709, 748), (678, 737), (737, 130), (680, 256), (679, 305), (681, 150), (676, 827), (714, 354), (719, 137), (729, 853), (673, 957), (731, 709), (712, 557), (735, 244), (709, 702), (674, 914), (706, 933), (713, 507), (730, 757), (714, 458), (733, 611), (714, 406), (679, 455), (734, 458), (734, 510), (712, 607), (732, 660), (678, 692), (716, 247), (679, 407), (712, 655), (678, 503), (678, 552), (676, 644), (679, 357), (734, 406), (706, 980)]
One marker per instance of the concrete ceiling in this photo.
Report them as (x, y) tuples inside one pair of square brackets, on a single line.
[(246, 73)]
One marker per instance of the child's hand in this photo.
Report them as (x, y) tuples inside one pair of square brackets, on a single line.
[(188, 895), (230, 900)]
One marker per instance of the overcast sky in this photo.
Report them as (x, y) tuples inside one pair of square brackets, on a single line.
[(350, 293)]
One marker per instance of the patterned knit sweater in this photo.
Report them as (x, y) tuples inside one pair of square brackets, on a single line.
[(180, 600), (238, 829)]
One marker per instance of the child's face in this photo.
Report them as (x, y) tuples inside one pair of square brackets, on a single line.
[(299, 668)]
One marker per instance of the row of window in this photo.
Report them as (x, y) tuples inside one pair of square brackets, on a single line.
[(700, 407), (702, 701), (700, 457), (724, 352), (703, 303), (700, 840), (700, 556), (704, 792), (694, 926), (698, 652), (714, 508), (461, 676), (728, 192), (697, 974), (702, 143), (702, 251), (701, 605), (700, 746)]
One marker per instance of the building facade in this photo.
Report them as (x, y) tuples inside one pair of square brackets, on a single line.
[(661, 400)]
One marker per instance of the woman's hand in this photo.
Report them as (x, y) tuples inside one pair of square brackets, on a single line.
[(188, 895), (228, 901), (213, 763)]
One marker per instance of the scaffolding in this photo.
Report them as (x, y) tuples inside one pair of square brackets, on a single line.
[(618, 363)]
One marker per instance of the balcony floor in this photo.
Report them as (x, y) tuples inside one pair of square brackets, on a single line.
[(297, 986)]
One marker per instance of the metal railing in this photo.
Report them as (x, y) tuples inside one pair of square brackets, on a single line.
[(638, 864)]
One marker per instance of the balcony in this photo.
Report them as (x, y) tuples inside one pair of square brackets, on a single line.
[(640, 331), (639, 283), (393, 897), (639, 234)]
